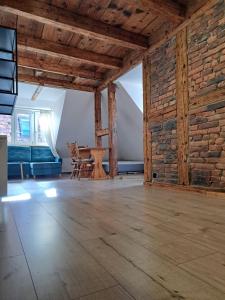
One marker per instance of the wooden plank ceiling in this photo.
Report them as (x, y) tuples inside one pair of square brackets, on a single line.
[(81, 44)]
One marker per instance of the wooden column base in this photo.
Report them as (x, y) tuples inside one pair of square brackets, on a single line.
[(98, 172)]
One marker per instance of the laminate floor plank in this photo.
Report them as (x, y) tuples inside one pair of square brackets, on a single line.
[(134, 280), (210, 268), (147, 276), (15, 280), (164, 242), (10, 245), (160, 269), (60, 267), (113, 239), (115, 293)]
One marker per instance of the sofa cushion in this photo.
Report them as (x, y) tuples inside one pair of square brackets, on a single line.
[(46, 168), (19, 154), (14, 169), (45, 165), (41, 154)]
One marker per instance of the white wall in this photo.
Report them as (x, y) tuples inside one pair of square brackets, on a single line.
[(129, 125), (133, 84), (77, 123)]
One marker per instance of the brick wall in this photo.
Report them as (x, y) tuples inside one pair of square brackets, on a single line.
[(164, 154), (206, 52), (5, 126), (207, 145), (163, 98), (206, 76), (206, 73), (163, 76)]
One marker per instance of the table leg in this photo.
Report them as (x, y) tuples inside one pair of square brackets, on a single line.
[(98, 171), (21, 171)]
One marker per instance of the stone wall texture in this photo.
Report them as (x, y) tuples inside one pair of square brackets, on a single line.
[(206, 74), (5, 126), (206, 52), (207, 145), (163, 97)]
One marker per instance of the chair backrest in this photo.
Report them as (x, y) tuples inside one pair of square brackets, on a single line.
[(78, 152), (84, 153), (73, 150)]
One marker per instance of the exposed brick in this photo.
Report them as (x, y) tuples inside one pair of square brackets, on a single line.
[(206, 56), (219, 141), (215, 106), (206, 73), (169, 125), (208, 125), (220, 166)]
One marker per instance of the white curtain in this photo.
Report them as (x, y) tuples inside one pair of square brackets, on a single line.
[(46, 128)]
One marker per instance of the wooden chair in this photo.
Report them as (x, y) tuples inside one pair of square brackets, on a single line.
[(72, 148), (81, 161)]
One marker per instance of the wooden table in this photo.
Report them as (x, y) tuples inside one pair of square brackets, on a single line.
[(97, 154)]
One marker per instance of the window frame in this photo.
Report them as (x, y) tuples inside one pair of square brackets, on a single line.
[(34, 114), (32, 139)]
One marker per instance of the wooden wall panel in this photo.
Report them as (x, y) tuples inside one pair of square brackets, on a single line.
[(146, 109), (182, 106)]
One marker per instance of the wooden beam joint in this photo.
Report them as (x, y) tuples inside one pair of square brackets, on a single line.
[(103, 132)]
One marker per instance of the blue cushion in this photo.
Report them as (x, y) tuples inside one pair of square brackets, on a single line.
[(14, 169), (41, 154), (19, 154), (46, 168), (37, 160)]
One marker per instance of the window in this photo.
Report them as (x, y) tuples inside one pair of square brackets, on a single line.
[(24, 127)]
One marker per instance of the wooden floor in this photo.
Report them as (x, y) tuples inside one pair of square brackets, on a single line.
[(110, 240)]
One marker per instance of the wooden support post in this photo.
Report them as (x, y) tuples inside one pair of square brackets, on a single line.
[(182, 106), (146, 130), (112, 118), (98, 119)]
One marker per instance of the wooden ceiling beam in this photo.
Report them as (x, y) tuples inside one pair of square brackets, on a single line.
[(169, 9), (159, 39), (46, 66), (67, 20), (55, 49), (45, 81), (193, 6)]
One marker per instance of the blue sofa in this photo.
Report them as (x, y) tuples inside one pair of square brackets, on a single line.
[(36, 161)]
